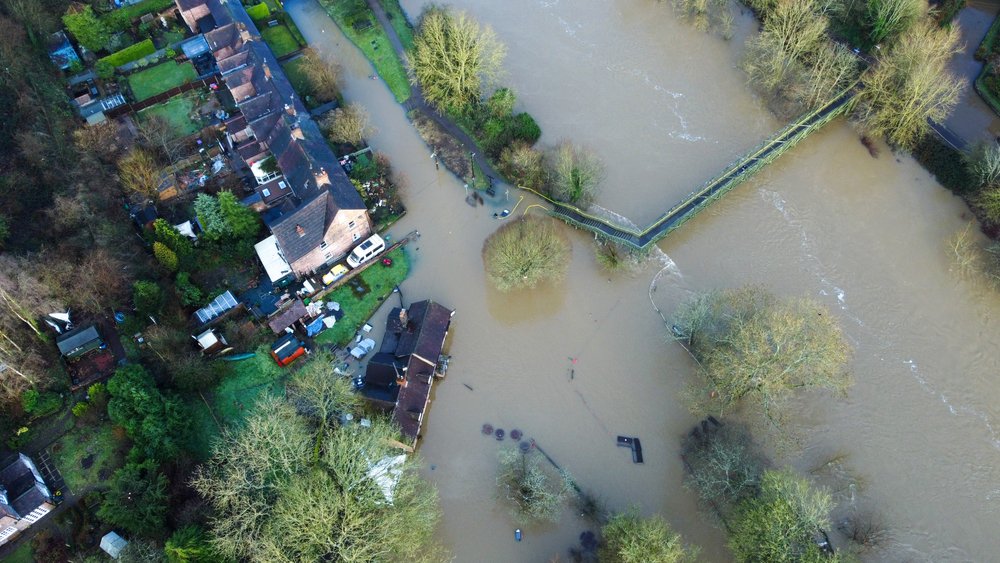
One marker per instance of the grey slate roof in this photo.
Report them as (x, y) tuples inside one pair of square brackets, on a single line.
[(78, 340), (302, 230), (425, 330)]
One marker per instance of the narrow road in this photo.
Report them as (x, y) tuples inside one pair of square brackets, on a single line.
[(417, 100)]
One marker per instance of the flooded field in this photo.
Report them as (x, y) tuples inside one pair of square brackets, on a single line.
[(575, 365)]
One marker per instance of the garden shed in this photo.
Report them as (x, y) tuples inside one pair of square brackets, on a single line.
[(78, 342)]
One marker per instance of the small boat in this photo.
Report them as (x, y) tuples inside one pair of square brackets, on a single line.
[(517, 534)]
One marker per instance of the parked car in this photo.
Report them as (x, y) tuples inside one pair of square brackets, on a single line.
[(363, 252), (287, 349), (335, 274)]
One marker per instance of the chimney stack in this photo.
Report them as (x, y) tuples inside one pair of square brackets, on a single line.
[(300, 230)]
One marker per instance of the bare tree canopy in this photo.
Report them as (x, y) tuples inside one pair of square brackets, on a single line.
[(754, 346), (350, 124), (910, 85), (322, 78), (139, 173), (294, 487), (629, 538), (524, 253), (575, 174), (454, 59)]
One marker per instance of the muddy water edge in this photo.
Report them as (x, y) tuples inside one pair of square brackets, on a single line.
[(667, 107)]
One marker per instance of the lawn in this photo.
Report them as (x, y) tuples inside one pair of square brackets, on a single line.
[(176, 111), (280, 39), (88, 455), (358, 308), (293, 70), (22, 554), (399, 22), (160, 78), (247, 381), (358, 23)]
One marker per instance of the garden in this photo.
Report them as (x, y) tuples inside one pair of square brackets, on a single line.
[(160, 78), (276, 28), (360, 297), (89, 454), (177, 112), (357, 21), (280, 39), (231, 400)]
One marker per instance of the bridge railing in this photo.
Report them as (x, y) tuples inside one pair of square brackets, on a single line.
[(734, 174)]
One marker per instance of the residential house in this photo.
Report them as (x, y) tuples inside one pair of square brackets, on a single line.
[(24, 497), (79, 341), (314, 212), (401, 375)]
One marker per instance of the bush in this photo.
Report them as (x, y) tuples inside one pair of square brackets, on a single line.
[(259, 12), (121, 19), (104, 69), (147, 297), (166, 257), (131, 53), (524, 252), (40, 404), (190, 294)]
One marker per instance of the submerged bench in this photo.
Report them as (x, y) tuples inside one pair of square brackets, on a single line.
[(634, 445)]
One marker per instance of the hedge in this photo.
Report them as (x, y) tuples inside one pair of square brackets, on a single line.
[(121, 19), (131, 53), (259, 12)]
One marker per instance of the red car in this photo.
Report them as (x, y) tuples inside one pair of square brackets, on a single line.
[(286, 349)]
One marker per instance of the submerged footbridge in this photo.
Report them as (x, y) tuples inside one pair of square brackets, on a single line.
[(733, 175)]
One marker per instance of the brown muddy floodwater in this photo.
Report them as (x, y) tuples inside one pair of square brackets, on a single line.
[(667, 107)]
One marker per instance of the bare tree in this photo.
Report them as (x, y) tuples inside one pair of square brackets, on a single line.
[(523, 165), (888, 19), (533, 493), (323, 78), (574, 174), (454, 59), (524, 253), (101, 139), (350, 124), (139, 173), (910, 85), (751, 345), (158, 134)]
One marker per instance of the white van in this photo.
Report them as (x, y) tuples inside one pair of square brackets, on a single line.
[(365, 251)]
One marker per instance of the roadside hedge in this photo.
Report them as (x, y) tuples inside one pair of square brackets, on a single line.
[(130, 53)]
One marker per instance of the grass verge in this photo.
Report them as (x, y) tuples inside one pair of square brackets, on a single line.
[(22, 554), (358, 307), (358, 23), (399, 22), (88, 455), (160, 78)]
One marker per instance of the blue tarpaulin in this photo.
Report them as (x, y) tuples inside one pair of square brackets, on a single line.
[(315, 327)]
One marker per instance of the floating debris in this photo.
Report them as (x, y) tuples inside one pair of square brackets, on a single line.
[(487, 429), (525, 446), (515, 434), (499, 434), (469, 387)]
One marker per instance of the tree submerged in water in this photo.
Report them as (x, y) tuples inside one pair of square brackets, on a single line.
[(534, 493), (629, 538), (525, 252), (752, 345)]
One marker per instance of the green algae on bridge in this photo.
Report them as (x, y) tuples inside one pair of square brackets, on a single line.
[(733, 175)]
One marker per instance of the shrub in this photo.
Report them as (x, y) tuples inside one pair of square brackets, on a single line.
[(40, 404), (190, 293), (131, 53), (104, 69), (259, 12), (89, 31), (945, 163), (147, 297), (523, 165), (166, 257), (524, 252)]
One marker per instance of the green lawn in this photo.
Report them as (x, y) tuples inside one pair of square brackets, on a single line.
[(247, 381), (22, 554), (351, 16), (293, 70), (380, 281), (280, 39), (176, 111), (399, 22), (160, 78), (97, 447)]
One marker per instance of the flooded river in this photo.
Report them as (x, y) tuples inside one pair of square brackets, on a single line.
[(666, 107)]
